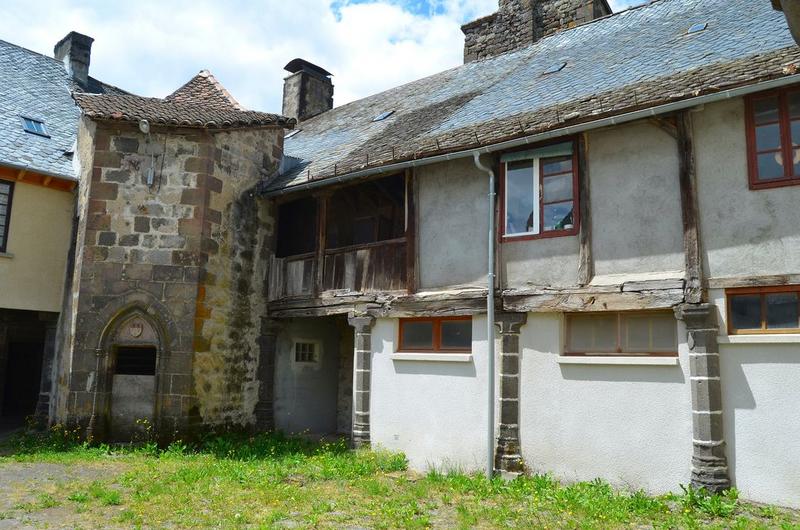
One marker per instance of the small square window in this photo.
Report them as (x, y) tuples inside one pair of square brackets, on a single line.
[(34, 127), (773, 138), (305, 352)]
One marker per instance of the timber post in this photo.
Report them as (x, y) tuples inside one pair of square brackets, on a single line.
[(507, 453), (362, 326), (709, 464), (265, 409), (42, 413)]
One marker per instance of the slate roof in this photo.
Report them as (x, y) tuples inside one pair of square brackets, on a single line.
[(634, 59), (38, 87)]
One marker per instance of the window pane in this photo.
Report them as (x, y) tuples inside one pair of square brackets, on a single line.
[(3, 199), (5, 188), (796, 132), (593, 333), (520, 195), (664, 333), (417, 335), (794, 104), (768, 137), (765, 110), (637, 335), (770, 166), (746, 311), (558, 188), (3, 208), (796, 162), (558, 216), (782, 311), (457, 334), (551, 166)]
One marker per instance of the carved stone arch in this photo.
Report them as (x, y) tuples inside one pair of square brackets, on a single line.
[(131, 323)]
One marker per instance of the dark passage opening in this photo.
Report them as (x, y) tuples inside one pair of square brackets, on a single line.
[(136, 360), (23, 378), (297, 227)]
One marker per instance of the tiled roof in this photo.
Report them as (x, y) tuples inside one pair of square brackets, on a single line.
[(205, 88), (635, 59), (183, 111), (38, 87)]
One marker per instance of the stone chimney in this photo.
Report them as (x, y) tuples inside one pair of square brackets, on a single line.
[(307, 92), (518, 23), (74, 51)]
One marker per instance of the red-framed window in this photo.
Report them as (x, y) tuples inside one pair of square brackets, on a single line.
[(442, 335), (539, 192), (763, 310), (773, 138)]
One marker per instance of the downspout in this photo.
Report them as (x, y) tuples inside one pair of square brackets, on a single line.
[(489, 319)]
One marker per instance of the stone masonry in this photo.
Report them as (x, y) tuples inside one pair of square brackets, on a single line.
[(186, 251), (518, 23)]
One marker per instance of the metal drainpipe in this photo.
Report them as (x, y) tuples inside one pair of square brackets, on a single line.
[(489, 319)]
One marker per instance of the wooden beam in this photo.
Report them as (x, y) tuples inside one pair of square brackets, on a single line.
[(753, 281), (689, 211), (47, 181), (21, 175), (579, 302), (586, 262), (322, 209), (411, 233)]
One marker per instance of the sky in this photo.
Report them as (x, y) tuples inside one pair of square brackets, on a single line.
[(152, 47)]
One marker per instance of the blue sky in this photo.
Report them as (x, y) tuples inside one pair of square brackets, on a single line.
[(151, 47)]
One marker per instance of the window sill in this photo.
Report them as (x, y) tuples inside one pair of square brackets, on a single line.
[(433, 357), (7, 255), (617, 360), (766, 338)]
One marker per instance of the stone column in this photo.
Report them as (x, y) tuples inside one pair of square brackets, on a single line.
[(507, 455), (709, 464), (42, 413), (362, 325), (265, 374)]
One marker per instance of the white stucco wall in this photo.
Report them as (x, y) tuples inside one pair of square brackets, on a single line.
[(434, 412), (630, 425), (306, 394), (551, 261), (760, 398), (744, 232), (453, 223), (635, 200)]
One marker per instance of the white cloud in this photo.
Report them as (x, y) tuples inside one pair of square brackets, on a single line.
[(151, 47)]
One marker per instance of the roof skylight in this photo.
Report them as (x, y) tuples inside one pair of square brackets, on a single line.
[(696, 28), (383, 115), (555, 68), (34, 127)]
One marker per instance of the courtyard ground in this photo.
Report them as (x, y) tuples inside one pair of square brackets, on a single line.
[(269, 481)]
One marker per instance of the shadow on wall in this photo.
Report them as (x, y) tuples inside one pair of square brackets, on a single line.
[(623, 374), (737, 394), (444, 369)]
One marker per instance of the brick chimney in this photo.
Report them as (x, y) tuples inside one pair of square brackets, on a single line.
[(518, 23), (74, 51), (307, 92)]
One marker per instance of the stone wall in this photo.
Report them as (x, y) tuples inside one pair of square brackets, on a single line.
[(518, 23), (183, 251)]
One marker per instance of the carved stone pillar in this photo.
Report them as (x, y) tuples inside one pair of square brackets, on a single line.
[(362, 326), (265, 374), (709, 464), (507, 455), (42, 413)]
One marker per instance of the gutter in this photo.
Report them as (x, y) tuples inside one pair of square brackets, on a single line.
[(476, 157), (535, 138)]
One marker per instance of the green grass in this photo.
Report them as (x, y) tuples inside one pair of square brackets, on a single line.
[(271, 481)]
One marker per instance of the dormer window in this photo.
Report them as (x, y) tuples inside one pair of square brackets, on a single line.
[(34, 127)]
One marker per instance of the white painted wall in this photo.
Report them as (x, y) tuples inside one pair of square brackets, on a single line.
[(744, 232), (635, 200), (761, 408), (630, 425), (306, 394), (434, 412)]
